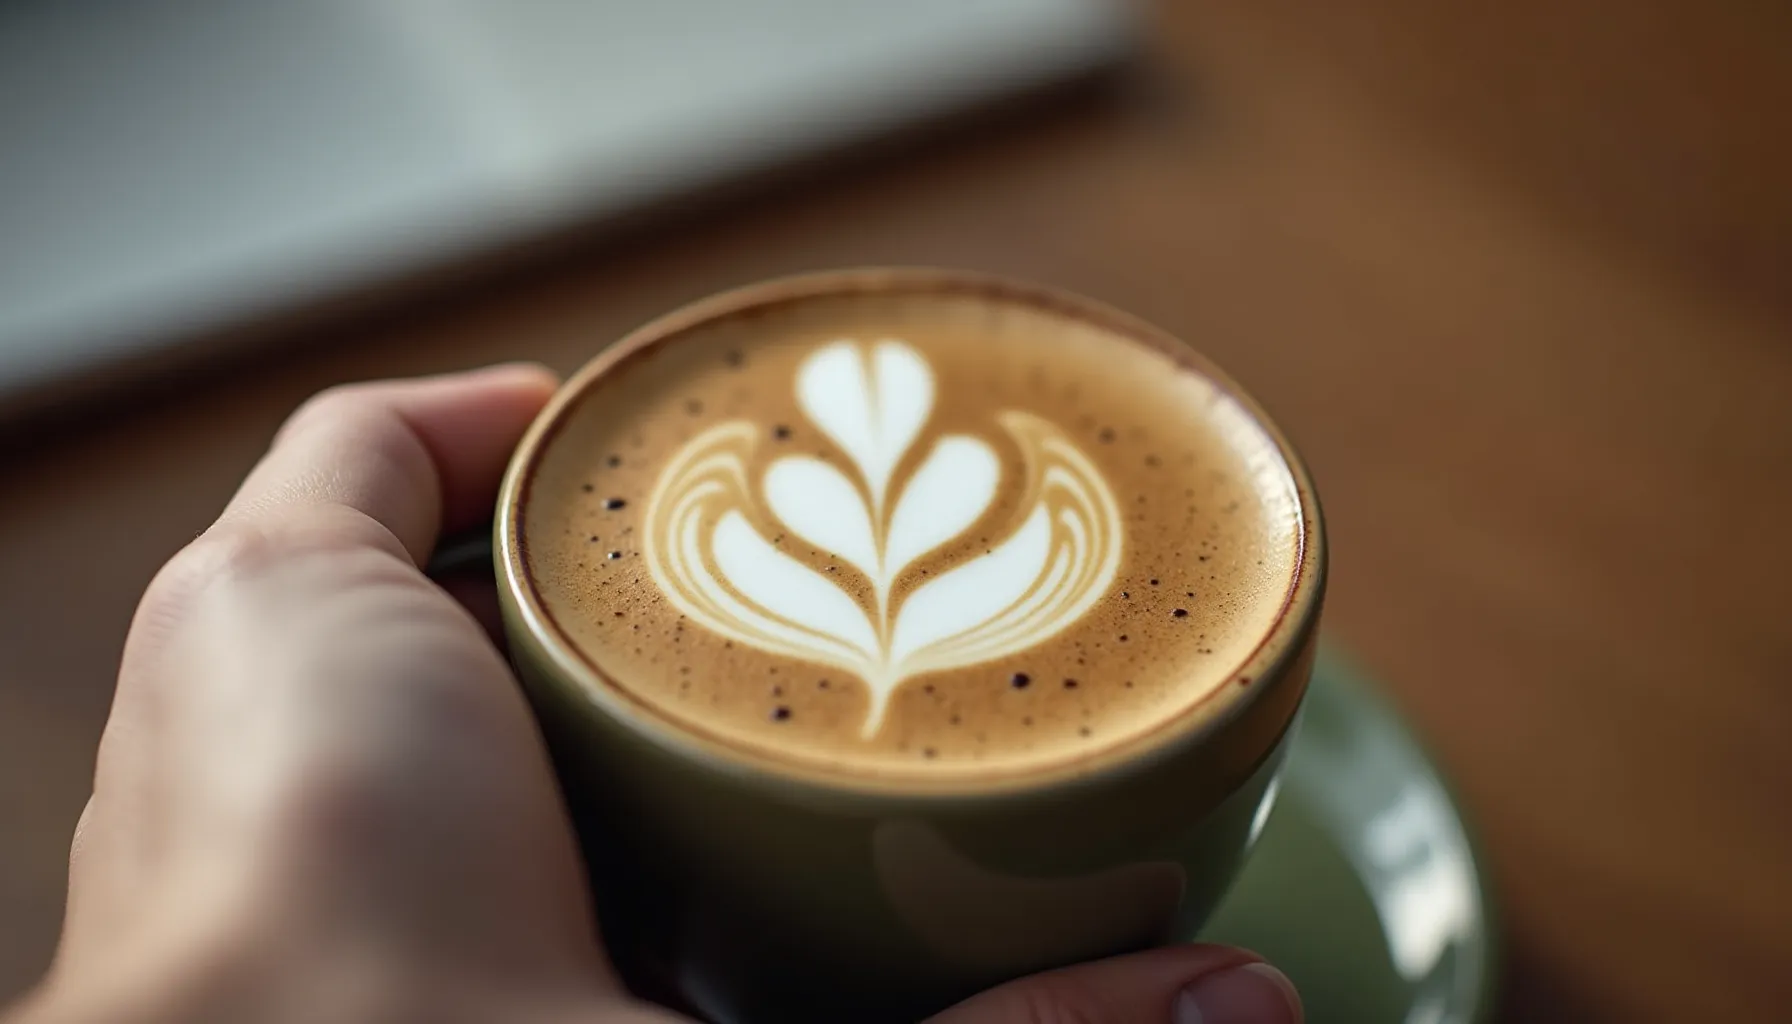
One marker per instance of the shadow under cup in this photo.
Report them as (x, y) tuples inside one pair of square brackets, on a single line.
[(748, 894)]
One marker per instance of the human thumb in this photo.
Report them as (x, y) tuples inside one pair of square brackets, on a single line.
[(1194, 984)]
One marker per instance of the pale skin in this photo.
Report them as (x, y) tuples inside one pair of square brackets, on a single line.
[(320, 794)]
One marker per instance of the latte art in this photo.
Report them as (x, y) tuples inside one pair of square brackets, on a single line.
[(1039, 575)]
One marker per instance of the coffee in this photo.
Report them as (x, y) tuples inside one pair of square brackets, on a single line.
[(914, 536)]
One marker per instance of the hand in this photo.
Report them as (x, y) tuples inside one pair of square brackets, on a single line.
[(321, 796)]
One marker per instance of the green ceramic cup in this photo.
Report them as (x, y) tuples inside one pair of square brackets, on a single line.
[(756, 896)]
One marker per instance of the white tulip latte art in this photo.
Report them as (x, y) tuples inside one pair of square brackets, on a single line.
[(873, 402)]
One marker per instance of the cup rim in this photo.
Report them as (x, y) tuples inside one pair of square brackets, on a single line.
[(1265, 676)]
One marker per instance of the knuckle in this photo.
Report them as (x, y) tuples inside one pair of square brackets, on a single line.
[(332, 405), (232, 549), (364, 420), (224, 551), (247, 548), (364, 412), (1047, 1000)]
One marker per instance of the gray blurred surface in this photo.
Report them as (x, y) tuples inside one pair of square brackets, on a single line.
[(173, 168)]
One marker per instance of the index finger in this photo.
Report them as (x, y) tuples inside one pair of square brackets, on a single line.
[(416, 456)]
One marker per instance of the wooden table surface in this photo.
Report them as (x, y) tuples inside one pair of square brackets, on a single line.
[(1518, 281)]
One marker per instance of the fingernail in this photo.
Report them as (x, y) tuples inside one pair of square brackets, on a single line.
[(1248, 994)]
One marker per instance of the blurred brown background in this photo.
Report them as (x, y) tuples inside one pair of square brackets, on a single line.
[(1517, 277)]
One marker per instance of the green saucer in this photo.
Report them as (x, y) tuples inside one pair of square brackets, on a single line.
[(1365, 886)]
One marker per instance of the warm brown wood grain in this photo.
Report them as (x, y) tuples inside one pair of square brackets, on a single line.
[(1517, 276)]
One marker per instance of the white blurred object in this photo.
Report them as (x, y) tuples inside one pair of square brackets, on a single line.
[(175, 168)]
